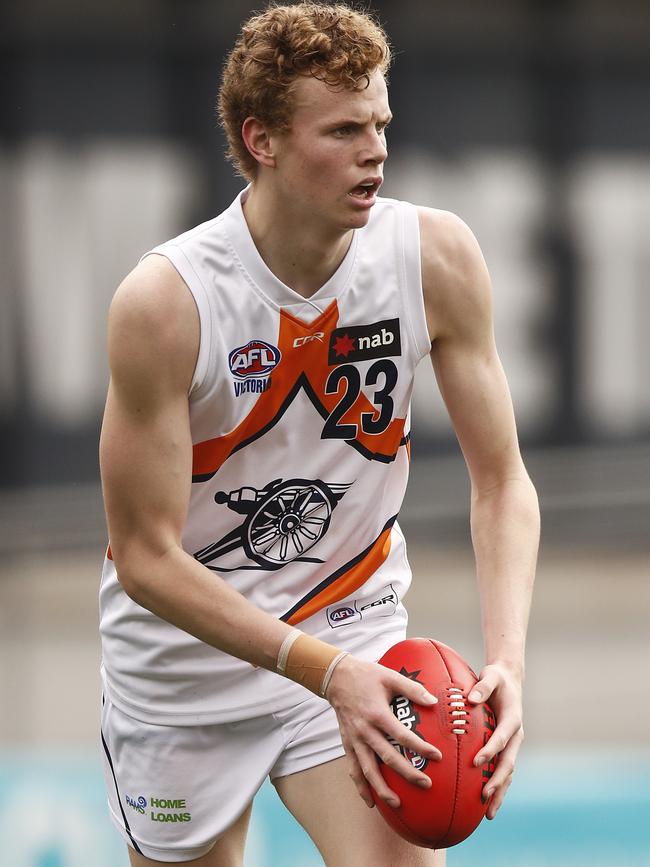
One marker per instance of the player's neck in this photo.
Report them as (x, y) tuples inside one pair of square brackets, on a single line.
[(299, 250)]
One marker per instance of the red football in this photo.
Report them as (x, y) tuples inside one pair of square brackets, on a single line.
[(451, 809)]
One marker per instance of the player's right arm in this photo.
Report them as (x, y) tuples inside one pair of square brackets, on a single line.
[(146, 465)]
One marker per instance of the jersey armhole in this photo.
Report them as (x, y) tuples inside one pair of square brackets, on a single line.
[(198, 292), (412, 280)]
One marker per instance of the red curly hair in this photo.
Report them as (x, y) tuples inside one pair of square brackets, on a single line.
[(332, 42)]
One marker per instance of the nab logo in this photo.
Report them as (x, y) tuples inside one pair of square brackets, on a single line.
[(410, 719), (256, 358), (361, 342)]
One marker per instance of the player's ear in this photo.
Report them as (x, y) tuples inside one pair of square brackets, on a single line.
[(259, 142)]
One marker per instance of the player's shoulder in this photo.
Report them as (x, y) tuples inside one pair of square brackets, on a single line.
[(153, 315), (446, 240), (152, 294), (455, 279), (201, 234)]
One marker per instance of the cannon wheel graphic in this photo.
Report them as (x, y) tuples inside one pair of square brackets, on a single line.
[(288, 522), (281, 521)]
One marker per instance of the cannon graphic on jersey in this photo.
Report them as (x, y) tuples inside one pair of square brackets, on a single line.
[(282, 522)]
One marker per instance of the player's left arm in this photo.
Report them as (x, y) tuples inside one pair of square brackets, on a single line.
[(504, 509)]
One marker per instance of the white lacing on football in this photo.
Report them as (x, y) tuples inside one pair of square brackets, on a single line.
[(457, 700)]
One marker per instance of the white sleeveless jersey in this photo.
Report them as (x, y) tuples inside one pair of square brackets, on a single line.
[(300, 424)]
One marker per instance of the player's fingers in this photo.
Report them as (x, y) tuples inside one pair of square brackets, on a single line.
[(505, 766), (356, 774), (495, 790), (400, 685), (496, 799), (394, 759), (370, 770), (502, 735), (406, 738)]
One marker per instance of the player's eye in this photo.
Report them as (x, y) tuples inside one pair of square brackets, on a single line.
[(343, 130)]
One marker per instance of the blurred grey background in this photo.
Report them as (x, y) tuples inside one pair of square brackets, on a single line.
[(529, 118)]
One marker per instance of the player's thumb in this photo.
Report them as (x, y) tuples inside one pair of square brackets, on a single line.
[(482, 690)]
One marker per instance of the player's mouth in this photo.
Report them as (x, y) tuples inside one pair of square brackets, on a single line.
[(365, 193)]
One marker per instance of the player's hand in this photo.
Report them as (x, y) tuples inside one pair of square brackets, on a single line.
[(502, 687), (360, 693)]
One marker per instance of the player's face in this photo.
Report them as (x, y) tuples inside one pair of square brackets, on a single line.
[(330, 164)]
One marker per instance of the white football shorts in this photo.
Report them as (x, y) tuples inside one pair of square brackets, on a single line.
[(173, 790)]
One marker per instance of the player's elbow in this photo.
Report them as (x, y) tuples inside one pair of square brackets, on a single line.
[(514, 494), (132, 566)]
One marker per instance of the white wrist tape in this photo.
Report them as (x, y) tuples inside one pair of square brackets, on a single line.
[(330, 672), (308, 660), (285, 647)]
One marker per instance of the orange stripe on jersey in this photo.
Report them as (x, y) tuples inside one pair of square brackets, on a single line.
[(303, 364), (345, 580), (109, 553)]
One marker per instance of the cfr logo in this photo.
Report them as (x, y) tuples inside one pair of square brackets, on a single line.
[(300, 341)]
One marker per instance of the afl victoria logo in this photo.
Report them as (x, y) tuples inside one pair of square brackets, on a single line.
[(256, 358)]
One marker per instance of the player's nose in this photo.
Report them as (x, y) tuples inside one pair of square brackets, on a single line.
[(375, 150)]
